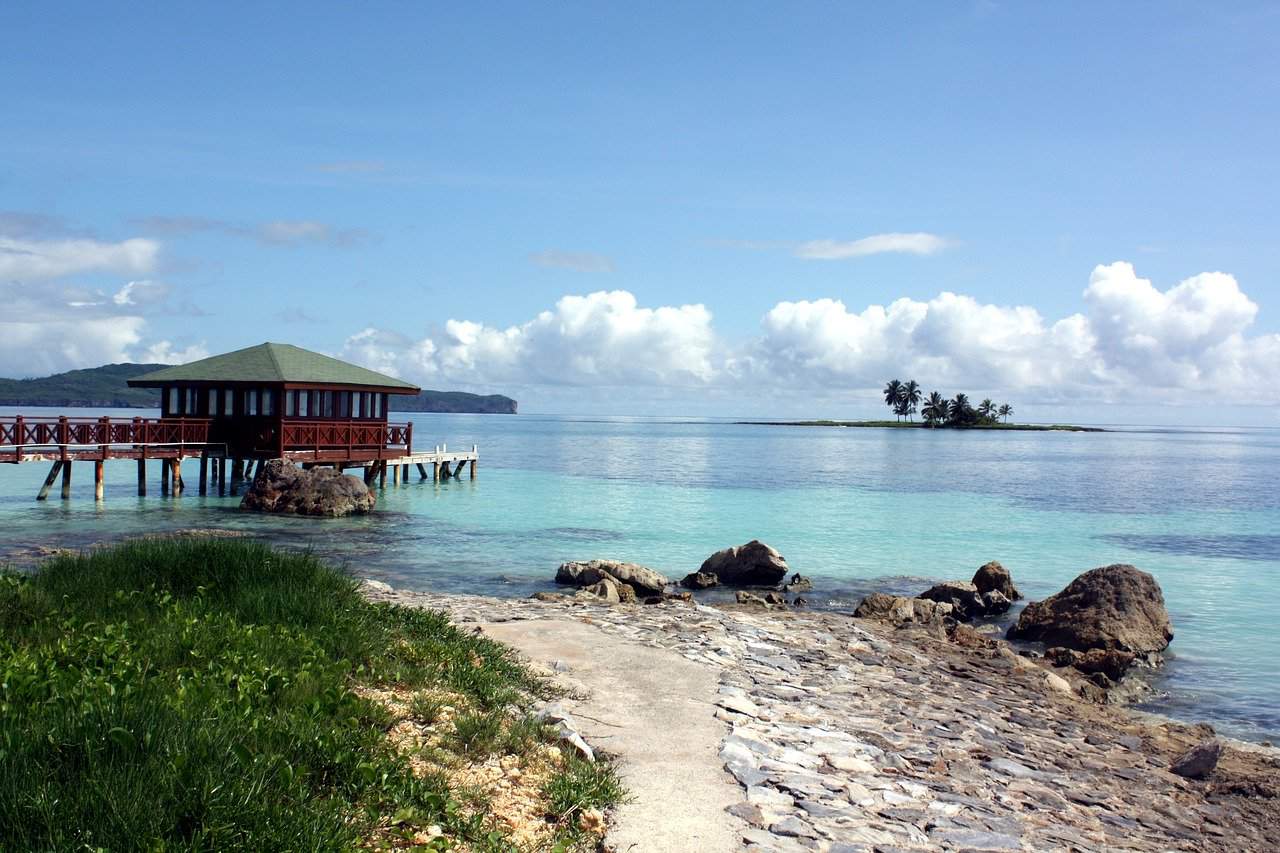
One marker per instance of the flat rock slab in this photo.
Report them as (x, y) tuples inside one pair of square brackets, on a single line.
[(654, 710)]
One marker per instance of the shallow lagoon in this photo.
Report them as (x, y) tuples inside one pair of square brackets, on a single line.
[(857, 509)]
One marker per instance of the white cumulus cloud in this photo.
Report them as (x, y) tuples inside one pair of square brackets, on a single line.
[(1131, 341)]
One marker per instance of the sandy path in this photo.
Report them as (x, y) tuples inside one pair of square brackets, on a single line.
[(653, 709)]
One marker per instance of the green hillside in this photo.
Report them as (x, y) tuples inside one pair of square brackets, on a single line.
[(106, 387)]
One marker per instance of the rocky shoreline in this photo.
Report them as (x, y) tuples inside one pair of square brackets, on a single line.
[(855, 735)]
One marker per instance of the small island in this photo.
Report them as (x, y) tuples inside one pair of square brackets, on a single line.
[(938, 412)]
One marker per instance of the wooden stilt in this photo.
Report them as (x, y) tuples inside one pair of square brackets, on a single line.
[(222, 476), (177, 477), (204, 474), (473, 469), (444, 471), (165, 464), (48, 481), (142, 478), (422, 471), (97, 480), (66, 482), (237, 476), (382, 475), (395, 475), (435, 472)]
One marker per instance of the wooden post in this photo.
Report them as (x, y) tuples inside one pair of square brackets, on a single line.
[(237, 476), (142, 478), (164, 476), (395, 475), (66, 481), (473, 469), (97, 480), (48, 481), (444, 470), (177, 476), (422, 471), (222, 476), (382, 474), (204, 473), (435, 472)]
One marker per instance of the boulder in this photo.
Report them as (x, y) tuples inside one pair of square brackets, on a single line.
[(1199, 761), (606, 589), (642, 580), (752, 564), (769, 599), (963, 598), (700, 580), (994, 577), (1114, 607), (899, 610), (283, 487)]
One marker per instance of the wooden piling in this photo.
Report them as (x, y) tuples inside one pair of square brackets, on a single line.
[(444, 470), (204, 474), (395, 475), (382, 474), (473, 469), (237, 476), (97, 481), (164, 476), (422, 471), (66, 482), (48, 481), (178, 485), (222, 475), (142, 478)]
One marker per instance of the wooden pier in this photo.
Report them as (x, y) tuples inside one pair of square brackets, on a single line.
[(380, 450)]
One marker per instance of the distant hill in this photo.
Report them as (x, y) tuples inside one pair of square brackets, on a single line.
[(105, 387), (453, 401)]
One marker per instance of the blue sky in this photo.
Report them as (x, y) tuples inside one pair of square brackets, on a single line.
[(353, 180)]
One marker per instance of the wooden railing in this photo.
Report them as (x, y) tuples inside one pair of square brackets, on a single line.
[(323, 436), (19, 434)]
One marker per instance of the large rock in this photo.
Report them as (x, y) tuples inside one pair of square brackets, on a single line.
[(700, 580), (898, 610), (644, 581), (967, 601), (752, 564), (284, 487), (1199, 761), (994, 577), (1114, 607)]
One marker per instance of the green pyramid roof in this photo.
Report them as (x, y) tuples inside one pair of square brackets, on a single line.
[(273, 363)]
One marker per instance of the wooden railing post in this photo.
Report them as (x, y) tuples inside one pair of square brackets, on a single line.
[(20, 425), (63, 438), (408, 439), (104, 435)]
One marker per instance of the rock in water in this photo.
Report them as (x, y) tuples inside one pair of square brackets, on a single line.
[(1199, 761), (644, 581), (700, 580), (994, 577), (1114, 607), (963, 597), (752, 564), (284, 487)]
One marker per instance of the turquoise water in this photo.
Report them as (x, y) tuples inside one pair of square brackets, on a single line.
[(857, 509)]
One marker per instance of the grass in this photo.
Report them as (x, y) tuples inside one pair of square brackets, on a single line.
[(207, 696)]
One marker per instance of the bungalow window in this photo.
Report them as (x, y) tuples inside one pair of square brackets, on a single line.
[(228, 402), (173, 401), (213, 402), (251, 401), (290, 404), (377, 405), (192, 402), (326, 404), (268, 401), (357, 404), (344, 404), (304, 403)]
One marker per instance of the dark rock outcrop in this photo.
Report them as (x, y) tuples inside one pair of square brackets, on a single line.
[(967, 601), (1113, 607), (898, 610), (799, 583), (752, 564), (643, 581), (700, 580), (994, 577), (1199, 761), (283, 487)]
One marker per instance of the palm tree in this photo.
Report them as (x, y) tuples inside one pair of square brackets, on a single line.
[(893, 395), (959, 409), (1004, 412), (987, 408), (910, 396), (935, 408)]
